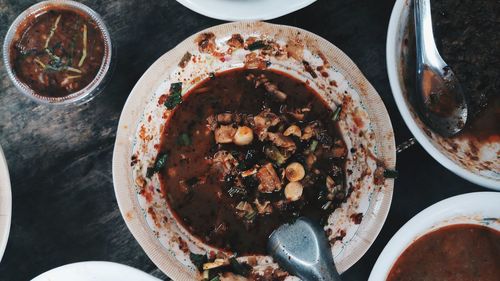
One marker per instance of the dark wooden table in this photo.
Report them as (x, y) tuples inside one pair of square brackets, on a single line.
[(64, 207)]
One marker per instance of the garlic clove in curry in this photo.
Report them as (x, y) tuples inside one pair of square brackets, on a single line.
[(295, 172), (243, 136), (293, 191), (293, 130), (216, 263)]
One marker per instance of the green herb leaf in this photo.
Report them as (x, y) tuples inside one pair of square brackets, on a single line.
[(161, 161), (239, 268), (175, 96), (313, 146), (216, 278), (150, 172), (390, 174), (242, 166), (257, 45), (273, 153), (184, 140), (336, 113), (198, 260)]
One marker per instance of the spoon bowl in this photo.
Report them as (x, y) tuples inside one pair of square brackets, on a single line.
[(303, 250), (441, 101)]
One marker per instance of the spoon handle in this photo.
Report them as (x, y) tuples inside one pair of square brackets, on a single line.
[(427, 53)]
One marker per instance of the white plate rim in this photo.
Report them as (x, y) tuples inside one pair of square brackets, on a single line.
[(5, 203), (437, 215), (97, 268), (200, 7), (392, 48)]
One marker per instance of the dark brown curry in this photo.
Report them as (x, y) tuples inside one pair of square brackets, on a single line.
[(248, 150), (57, 52)]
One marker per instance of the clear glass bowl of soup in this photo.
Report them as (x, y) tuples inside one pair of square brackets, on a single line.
[(58, 52)]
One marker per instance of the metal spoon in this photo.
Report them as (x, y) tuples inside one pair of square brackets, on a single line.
[(443, 105), (303, 250)]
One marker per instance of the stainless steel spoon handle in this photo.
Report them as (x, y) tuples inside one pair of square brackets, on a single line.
[(427, 52)]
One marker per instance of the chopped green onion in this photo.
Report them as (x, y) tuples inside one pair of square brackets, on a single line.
[(313, 146), (160, 162), (275, 154), (198, 260), (257, 45), (391, 174), (175, 96), (184, 140), (336, 113), (239, 268), (216, 278)]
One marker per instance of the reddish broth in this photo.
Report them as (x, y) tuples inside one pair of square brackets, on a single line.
[(462, 252), (205, 209), (57, 65)]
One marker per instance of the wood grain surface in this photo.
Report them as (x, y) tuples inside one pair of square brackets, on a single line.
[(64, 208)]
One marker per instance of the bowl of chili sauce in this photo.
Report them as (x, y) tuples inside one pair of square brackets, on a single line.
[(58, 52)]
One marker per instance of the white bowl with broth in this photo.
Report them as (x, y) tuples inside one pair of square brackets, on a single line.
[(480, 166)]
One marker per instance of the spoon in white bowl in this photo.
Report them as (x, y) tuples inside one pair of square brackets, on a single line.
[(303, 250), (441, 100)]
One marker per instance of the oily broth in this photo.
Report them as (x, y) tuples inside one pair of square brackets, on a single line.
[(204, 208)]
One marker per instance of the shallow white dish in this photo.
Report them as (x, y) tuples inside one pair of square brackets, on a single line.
[(235, 10), (95, 271), (480, 166), (467, 208), (366, 125), (5, 203)]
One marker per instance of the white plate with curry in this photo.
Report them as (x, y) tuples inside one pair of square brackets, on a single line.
[(243, 127), (5, 203)]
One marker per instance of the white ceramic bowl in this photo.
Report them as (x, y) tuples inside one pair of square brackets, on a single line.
[(94, 271), (485, 170), (467, 208), (236, 10), (5, 203)]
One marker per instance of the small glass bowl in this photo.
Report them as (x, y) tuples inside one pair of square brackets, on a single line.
[(88, 92)]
